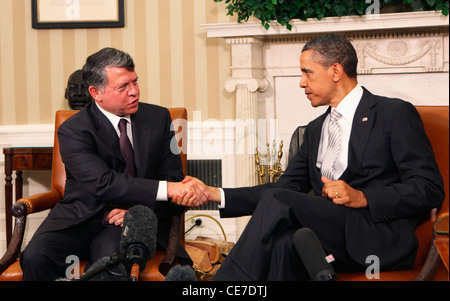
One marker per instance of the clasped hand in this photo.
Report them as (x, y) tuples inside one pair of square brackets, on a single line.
[(343, 194), (190, 192)]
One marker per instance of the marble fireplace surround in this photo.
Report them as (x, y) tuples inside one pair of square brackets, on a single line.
[(404, 55)]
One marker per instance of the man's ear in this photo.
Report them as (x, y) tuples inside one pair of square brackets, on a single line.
[(95, 93), (338, 72)]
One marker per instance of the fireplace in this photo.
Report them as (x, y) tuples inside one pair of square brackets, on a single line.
[(403, 55)]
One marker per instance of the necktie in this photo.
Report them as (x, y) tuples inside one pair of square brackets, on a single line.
[(126, 148), (334, 145)]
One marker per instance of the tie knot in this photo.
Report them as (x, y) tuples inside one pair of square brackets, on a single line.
[(335, 115), (123, 125)]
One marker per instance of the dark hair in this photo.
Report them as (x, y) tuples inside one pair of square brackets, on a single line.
[(330, 49), (94, 73)]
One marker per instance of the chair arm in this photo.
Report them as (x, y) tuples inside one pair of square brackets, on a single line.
[(433, 259), (174, 240), (430, 265), (39, 202), (13, 250), (20, 210)]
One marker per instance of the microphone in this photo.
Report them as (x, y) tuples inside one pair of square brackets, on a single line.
[(106, 269), (313, 255), (181, 273), (138, 240)]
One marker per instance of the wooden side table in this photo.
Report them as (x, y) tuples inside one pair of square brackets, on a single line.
[(19, 159)]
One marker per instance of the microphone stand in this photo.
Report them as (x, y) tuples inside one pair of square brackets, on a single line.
[(115, 259), (135, 255)]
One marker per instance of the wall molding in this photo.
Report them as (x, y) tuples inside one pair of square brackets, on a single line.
[(26, 135)]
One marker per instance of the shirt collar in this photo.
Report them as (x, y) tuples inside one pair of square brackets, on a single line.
[(114, 119), (347, 107)]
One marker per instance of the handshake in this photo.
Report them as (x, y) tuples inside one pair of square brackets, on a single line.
[(191, 192)]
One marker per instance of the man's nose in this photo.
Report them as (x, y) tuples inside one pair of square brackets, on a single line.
[(134, 89), (302, 83)]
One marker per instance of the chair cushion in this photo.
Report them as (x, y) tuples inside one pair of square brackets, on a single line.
[(12, 273)]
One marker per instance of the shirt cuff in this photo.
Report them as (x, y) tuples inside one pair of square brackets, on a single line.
[(161, 195), (222, 199)]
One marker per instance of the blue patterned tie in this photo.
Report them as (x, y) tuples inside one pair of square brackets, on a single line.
[(334, 145), (126, 148)]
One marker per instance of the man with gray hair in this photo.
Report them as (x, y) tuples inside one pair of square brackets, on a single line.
[(102, 180)]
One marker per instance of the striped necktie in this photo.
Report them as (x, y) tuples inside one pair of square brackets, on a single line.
[(334, 145)]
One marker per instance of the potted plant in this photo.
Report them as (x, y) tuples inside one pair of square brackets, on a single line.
[(285, 10)]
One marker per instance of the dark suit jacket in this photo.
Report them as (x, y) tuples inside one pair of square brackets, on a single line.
[(95, 168), (390, 159)]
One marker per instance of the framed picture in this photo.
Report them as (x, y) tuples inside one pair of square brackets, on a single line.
[(77, 13)]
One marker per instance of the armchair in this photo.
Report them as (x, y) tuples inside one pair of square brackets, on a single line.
[(156, 268), (428, 264)]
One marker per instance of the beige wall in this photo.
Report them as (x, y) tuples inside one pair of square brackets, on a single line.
[(177, 65)]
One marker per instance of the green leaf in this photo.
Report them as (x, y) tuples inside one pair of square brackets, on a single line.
[(445, 10), (340, 10), (284, 11)]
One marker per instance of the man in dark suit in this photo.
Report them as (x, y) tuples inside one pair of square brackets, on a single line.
[(100, 184), (383, 176)]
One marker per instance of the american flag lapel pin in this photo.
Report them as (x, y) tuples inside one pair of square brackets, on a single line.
[(365, 119), (329, 258)]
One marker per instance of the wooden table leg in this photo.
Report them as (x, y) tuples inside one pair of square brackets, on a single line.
[(8, 197), (19, 184)]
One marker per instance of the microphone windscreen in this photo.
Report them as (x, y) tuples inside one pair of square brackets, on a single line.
[(181, 273), (107, 271), (139, 228), (313, 255)]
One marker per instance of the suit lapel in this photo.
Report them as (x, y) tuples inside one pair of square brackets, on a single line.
[(141, 142), (361, 129), (106, 132), (142, 133)]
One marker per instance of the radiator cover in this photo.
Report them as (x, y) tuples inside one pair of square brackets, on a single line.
[(209, 172)]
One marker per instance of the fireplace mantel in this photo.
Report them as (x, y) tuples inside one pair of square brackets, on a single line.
[(404, 55), (393, 21)]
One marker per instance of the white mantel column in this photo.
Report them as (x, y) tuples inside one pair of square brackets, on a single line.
[(247, 80)]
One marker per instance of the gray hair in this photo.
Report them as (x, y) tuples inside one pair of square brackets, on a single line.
[(331, 49), (94, 71)]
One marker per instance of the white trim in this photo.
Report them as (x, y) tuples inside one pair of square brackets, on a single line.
[(37, 135), (422, 19)]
